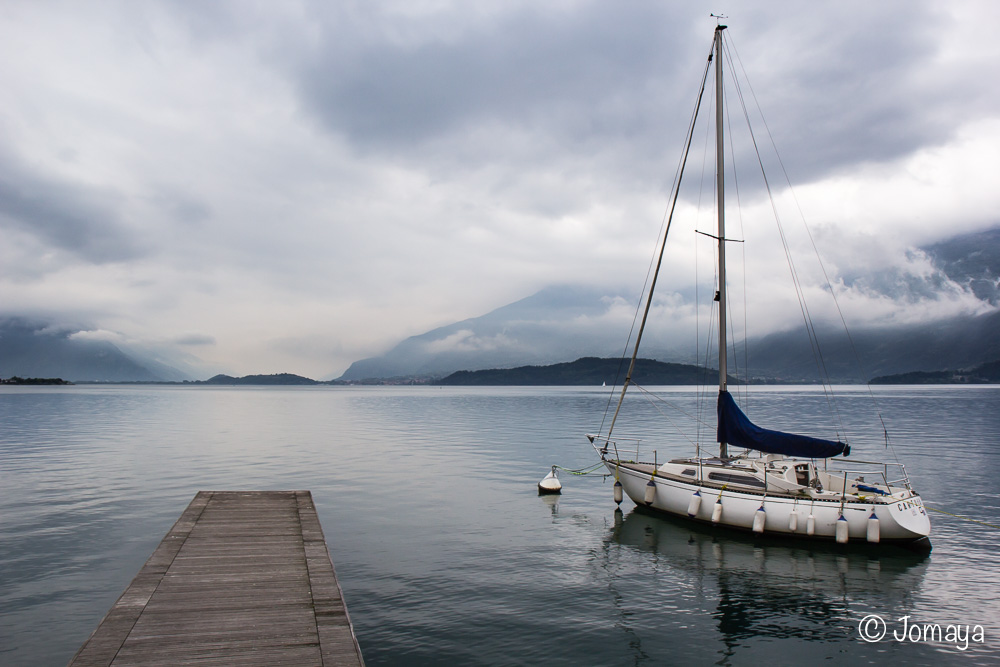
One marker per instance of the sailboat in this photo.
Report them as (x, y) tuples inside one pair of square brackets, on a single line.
[(765, 481)]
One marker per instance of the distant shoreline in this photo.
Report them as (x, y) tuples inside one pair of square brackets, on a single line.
[(586, 371), (19, 381), (390, 382), (988, 373)]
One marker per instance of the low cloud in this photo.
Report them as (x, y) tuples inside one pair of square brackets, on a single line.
[(195, 340), (98, 335), (295, 186), (466, 340)]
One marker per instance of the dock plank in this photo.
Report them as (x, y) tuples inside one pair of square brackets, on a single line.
[(242, 577)]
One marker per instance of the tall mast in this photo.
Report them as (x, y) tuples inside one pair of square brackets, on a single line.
[(721, 206)]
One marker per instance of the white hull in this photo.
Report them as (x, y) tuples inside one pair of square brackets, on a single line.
[(901, 517)]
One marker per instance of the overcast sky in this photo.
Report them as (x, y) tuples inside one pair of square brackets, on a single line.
[(292, 186)]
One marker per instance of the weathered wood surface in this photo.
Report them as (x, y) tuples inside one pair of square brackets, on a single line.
[(242, 578)]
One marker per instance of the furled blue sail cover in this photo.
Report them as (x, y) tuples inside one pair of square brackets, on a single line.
[(735, 428)]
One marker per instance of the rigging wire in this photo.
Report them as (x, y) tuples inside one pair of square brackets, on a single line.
[(664, 231), (699, 407), (743, 253), (745, 393), (711, 336), (711, 340), (796, 281), (732, 59), (701, 393), (657, 398), (653, 399), (829, 284)]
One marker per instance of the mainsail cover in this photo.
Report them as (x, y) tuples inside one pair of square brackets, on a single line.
[(735, 428)]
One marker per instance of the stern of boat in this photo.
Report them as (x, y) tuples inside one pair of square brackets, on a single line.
[(911, 515)]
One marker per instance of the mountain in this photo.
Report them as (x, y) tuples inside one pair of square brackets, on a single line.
[(562, 323), (509, 338), (972, 260), (284, 379), (588, 371), (959, 342), (33, 348), (548, 327)]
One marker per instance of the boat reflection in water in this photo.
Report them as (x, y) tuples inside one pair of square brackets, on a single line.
[(766, 588)]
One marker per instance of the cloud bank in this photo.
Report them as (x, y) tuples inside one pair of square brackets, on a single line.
[(289, 187)]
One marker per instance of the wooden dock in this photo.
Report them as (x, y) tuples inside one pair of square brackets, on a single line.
[(242, 578)]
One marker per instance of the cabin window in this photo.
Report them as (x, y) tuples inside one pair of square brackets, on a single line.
[(728, 478), (688, 471)]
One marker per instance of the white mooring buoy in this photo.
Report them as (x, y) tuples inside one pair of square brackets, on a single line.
[(550, 483)]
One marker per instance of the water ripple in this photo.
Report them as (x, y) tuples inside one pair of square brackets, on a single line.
[(444, 550)]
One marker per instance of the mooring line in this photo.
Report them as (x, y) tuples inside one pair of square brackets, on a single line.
[(583, 471), (959, 516)]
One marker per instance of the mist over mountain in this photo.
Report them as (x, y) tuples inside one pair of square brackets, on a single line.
[(563, 323), (535, 330), (972, 260), (35, 348), (959, 342)]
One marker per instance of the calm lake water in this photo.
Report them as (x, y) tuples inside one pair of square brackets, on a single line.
[(444, 550)]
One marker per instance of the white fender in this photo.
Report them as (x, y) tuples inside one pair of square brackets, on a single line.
[(717, 511), (793, 521), (842, 530), (618, 492), (873, 528), (695, 504), (650, 492), (758, 520), (811, 525)]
